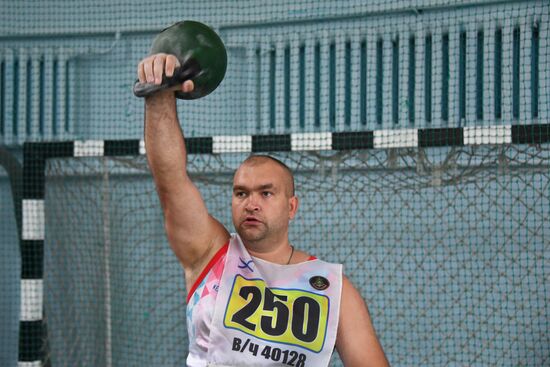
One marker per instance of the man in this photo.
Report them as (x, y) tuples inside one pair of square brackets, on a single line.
[(254, 300)]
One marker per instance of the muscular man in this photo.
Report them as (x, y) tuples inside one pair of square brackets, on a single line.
[(253, 299)]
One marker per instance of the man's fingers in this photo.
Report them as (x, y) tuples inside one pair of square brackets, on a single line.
[(148, 70), (158, 68), (141, 73), (152, 68), (171, 64), (188, 86)]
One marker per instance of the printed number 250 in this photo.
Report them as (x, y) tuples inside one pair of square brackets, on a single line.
[(278, 303)]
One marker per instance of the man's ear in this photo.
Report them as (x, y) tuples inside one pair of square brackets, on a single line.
[(293, 206)]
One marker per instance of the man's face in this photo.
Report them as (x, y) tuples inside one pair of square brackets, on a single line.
[(262, 203)]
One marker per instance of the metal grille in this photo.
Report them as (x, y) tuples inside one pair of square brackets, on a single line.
[(35, 100), (473, 66)]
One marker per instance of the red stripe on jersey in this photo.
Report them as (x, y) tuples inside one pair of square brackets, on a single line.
[(222, 251)]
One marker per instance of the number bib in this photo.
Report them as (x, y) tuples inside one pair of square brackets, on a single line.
[(274, 315)]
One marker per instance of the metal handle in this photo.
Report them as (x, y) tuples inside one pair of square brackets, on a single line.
[(189, 70)]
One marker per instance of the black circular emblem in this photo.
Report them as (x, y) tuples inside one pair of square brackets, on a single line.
[(318, 282)]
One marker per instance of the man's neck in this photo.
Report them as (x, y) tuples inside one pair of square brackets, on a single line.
[(277, 252)]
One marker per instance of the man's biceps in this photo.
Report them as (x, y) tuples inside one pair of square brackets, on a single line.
[(187, 201), (185, 221), (187, 250), (185, 237)]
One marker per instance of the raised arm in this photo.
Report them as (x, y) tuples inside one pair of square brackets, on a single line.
[(356, 341), (194, 235)]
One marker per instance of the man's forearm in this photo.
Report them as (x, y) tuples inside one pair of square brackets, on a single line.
[(164, 141)]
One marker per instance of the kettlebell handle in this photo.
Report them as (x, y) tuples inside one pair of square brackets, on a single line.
[(187, 71)]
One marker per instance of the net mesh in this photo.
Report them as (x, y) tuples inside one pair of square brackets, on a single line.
[(447, 280), (435, 205)]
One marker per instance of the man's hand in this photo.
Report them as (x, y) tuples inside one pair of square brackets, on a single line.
[(152, 68)]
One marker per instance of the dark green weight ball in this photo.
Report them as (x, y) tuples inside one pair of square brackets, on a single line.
[(199, 50)]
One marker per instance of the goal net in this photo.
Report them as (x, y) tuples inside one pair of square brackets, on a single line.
[(447, 244)]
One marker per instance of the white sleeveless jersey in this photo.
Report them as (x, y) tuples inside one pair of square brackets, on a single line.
[(256, 313)]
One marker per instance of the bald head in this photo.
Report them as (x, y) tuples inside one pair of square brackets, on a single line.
[(288, 177)]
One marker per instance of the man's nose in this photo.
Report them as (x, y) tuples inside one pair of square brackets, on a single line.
[(252, 203)]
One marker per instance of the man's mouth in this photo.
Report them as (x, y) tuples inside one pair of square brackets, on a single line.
[(251, 221)]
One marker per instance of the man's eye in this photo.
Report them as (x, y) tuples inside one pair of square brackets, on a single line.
[(267, 194), (240, 194)]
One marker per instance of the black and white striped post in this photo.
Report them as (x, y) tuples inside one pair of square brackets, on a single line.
[(33, 334), (32, 331)]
